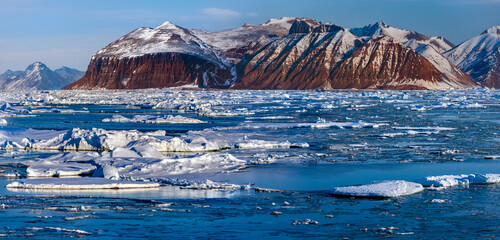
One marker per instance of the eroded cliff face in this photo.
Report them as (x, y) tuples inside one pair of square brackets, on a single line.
[(159, 70), (382, 63), (341, 61)]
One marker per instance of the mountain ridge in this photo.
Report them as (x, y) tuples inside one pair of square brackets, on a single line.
[(37, 76), (283, 53)]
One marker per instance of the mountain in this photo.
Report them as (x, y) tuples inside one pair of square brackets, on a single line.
[(327, 56), (70, 74), (284, 53), (480, 57), (38, 76), (170, 56)]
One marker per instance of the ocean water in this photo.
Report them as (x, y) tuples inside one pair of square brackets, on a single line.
[(337, 138)]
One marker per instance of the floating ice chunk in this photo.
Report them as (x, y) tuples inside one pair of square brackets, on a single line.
[(3, 121), (455, 180), (167, 167), (445, 180), (270, 144), (228, 113), (47, 168), (382, 189), (153, 119), (78, 184), (425, 128), (437, 200), (108, 172), (486, 178)]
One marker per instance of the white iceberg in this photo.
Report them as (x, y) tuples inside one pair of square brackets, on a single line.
[(153, 119), (79, 184), (381, 189), (446, 181), (47, 168)]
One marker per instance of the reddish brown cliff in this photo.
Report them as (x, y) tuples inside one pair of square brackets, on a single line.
[(157, 70)]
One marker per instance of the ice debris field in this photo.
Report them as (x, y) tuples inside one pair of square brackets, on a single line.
[(227, 144)]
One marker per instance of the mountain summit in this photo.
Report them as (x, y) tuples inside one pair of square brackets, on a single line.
[(480, 57), (282, 53), (38, 76)]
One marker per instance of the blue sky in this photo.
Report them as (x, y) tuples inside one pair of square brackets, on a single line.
[(68, 32)]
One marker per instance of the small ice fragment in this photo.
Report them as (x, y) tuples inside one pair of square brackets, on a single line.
[(439, 200), (305, 222)]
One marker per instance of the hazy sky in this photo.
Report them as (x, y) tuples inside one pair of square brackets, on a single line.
[(68, 32)]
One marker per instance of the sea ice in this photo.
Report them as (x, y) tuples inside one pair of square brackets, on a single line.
[(381, 189), (78, 184), (153, 119), (47, 168), (455, 180)]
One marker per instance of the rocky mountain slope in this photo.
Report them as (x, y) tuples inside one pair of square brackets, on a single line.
[(38, 76), (480, 57), (328, 56), (285, 53)]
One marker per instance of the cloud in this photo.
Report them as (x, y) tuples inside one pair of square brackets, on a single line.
[(252, 14), (221, 13)]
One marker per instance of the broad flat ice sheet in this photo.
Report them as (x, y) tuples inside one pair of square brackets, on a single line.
[(78, 184)]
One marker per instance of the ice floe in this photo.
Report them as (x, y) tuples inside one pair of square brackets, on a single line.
[(445, 181), (381, 189), (143, 144), (47, 168), (153, 119), (79, 184), (313, 125)]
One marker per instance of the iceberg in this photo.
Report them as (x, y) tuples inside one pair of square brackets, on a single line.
[(446, 181), (385, 189)]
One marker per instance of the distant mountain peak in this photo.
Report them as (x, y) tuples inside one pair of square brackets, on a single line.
[(492, 30), (38, 76), (37, 66), (167, 25)]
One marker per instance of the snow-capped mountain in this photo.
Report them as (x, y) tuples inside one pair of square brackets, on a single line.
[(480, 57), (408, 38), (328, 56), (284, 53), (38, 76), (70, 74)]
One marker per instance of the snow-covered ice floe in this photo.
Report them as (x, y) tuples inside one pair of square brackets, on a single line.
[(144, 144), (79, 184), (153, 119), (381, 189), (270, 144), (313, 125), (445, 181), (186, 171)]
